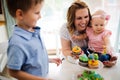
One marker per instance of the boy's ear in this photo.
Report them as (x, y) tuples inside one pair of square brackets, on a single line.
[(19, 14)]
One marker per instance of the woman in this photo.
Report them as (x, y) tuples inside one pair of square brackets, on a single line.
[(73, 32)]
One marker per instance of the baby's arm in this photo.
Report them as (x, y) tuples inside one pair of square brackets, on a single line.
[(109, 50), (79, 37), (107, 45)]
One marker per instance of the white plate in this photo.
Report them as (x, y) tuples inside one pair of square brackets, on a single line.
[(76, 61), (72, 60), (75, 75), (87, 68)]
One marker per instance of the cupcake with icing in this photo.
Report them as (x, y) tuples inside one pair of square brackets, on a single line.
[(89, 75), (93, 61), (76, 50), (83, 60)]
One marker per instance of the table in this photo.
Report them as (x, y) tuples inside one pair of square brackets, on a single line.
[(67, 70)]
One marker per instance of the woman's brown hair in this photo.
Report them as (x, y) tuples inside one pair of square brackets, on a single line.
[(71, 14)]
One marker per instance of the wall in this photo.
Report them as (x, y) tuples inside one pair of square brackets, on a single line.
[(3, 32)]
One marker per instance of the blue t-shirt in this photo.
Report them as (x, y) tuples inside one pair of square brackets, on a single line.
[(27, 52)]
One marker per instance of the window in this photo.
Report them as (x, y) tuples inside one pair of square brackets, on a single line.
[(112, 2), (53, 17)]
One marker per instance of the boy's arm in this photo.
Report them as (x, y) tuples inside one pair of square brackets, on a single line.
[(57, 61), (21, 75)]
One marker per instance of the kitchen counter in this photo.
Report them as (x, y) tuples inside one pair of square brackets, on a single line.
[(67, 71)]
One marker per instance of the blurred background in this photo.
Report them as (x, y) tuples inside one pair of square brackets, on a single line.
[(54, 16)]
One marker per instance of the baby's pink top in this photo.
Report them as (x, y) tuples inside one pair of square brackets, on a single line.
[(96, 41)]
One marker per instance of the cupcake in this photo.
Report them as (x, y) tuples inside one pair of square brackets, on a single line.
[(89, 75), (76, 50), (93, 64), (83, 60), (93, 61)]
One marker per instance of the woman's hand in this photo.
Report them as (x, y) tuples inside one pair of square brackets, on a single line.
[(75, 56)]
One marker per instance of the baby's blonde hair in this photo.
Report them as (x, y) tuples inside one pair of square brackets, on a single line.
[(102, 14)]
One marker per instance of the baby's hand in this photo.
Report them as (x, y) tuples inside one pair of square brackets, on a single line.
[(109, 63), (74, 38), (113, 58), (79, 37)]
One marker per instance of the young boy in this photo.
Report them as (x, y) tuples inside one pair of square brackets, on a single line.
[(27, 56)]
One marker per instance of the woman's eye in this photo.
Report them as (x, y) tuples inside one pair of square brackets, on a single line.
[(37, 12), (96, 25), (79, 18), (101, 25), (86, 16)]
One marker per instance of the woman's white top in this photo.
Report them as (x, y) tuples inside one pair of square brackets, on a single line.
[(64, 33)]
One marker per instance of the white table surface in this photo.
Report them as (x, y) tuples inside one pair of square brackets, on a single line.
[(67, 70)]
